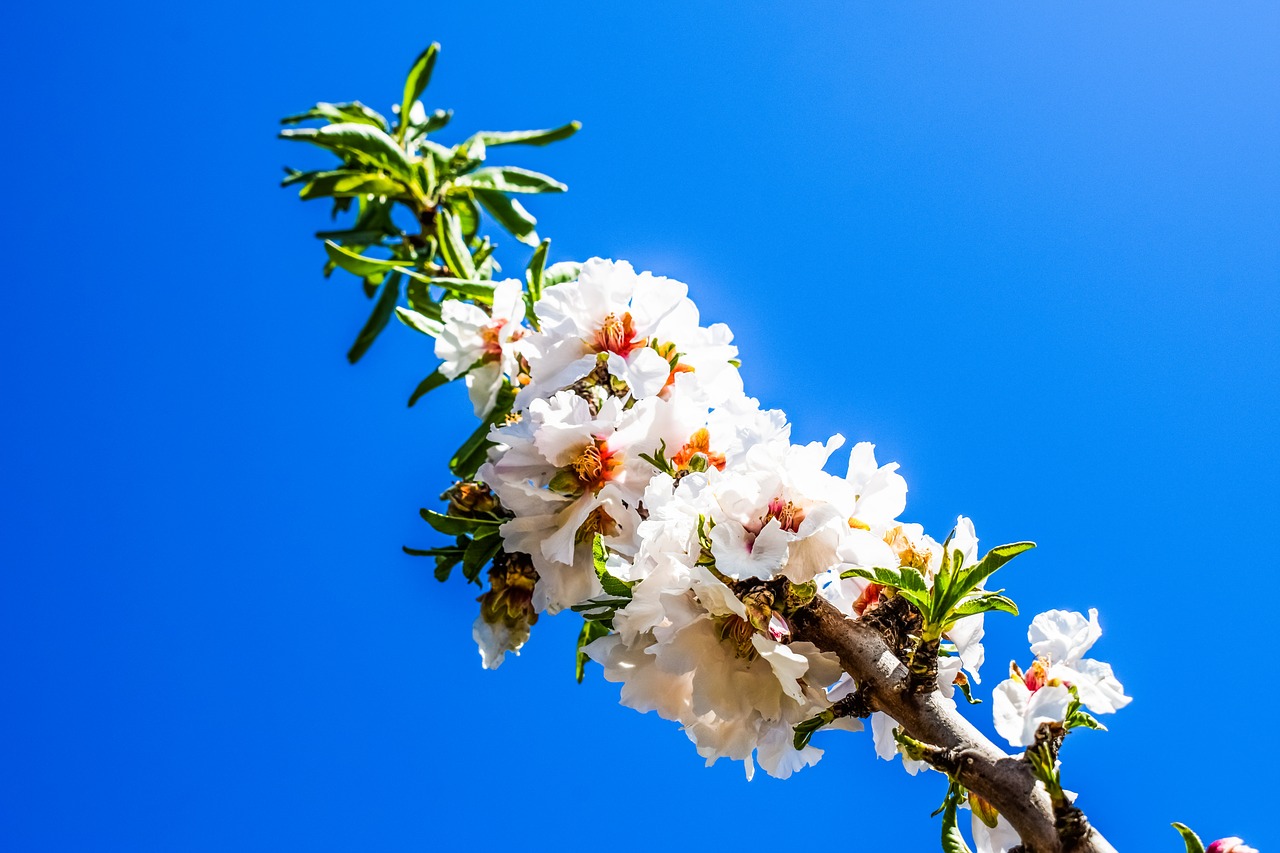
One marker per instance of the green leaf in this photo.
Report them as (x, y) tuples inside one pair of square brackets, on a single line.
[(378, 319), (347, 184), (453, 248), (481, 291), (419, 323), (420, 299), (356, 263), (510, 214), (535, 275), (415, 83), (560, 273), (803, 732), (471, 454), (509, 179), (426, 386), (952, 840), (432, 552), (481, 550), (360, 143), (353, 111), (591, 631), (612, 586), (452, 525), (905, 578), (1193, 842), (987, 566), (529, 137), (985, 603)]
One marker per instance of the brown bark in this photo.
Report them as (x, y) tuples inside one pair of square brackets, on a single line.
[(958, 748)]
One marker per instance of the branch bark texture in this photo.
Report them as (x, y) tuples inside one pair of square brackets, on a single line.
[(963, 752)]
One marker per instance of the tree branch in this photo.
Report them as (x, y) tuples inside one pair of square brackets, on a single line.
[(1003, 780)]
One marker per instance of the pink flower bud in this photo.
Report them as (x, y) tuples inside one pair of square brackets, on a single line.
[(1230, 845)]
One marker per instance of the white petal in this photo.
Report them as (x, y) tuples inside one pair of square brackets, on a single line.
[(1063, 636)]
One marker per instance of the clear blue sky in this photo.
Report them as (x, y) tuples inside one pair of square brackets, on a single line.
[(1030, 250)]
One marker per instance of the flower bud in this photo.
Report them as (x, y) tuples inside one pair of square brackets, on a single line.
[(1230, 845), (468, 500)]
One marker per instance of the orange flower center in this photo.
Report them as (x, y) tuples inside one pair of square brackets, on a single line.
[(616, 335), (699, 442), (595, 466)]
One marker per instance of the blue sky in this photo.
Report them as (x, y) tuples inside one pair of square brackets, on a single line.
[(1030, 250)]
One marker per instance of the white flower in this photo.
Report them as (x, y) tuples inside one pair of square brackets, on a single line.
[(644, 326), (1019, 710), (1062, 638), (772, 516), (481, 344), (1043, 693)]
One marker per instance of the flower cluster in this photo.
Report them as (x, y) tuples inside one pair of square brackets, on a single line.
[(634, 482)]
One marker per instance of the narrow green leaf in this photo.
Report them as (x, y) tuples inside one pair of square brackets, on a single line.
[(471, 454), (510, 214), (426, 386), (529, 137), (361, 143), (1193, 842), (987, 566), (535, 275), (451, 525), (378, 319), (985, 603), (415, 83), (418, 322), (480, 291), (420, 299), (356, 263), (453, 248), (353, 111), (509, 179), (952, 840), (432, 552)]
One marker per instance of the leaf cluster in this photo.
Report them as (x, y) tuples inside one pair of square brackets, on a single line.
[(956, 591), (387, 165)]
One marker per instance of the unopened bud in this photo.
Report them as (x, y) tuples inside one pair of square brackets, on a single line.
[(1230, 845)]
